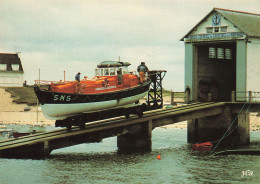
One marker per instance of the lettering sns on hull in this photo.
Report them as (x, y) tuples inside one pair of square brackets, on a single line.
[(62, 98)]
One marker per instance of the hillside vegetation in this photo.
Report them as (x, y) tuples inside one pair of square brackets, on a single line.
[(22, 95)]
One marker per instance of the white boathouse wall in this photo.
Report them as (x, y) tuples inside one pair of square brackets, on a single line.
[(253, 64)]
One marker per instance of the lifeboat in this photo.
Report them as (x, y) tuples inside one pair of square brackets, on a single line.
[(112, 87)]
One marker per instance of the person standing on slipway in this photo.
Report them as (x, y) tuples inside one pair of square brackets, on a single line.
[(142, 69)]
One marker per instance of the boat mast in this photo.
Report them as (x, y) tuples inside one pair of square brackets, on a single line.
[(37, 98)]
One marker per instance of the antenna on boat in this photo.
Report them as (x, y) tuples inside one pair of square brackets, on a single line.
[(39, 76), (64, 75), (119, 58), (37, 98)]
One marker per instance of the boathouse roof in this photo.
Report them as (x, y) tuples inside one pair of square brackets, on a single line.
[(248, 23), (9, 60)]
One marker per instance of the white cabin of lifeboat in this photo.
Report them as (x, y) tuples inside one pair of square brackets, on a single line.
[(222, 54), (113, 68)]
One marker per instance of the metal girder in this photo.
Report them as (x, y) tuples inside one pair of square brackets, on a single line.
[(155, 97)]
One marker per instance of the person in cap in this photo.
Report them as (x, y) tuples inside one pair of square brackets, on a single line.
[(142, 69), (77, 77)]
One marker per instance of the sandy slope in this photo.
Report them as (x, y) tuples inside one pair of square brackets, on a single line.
[(15, 114)]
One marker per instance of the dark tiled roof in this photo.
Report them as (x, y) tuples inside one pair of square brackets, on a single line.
[(10, 59), (248, 23)]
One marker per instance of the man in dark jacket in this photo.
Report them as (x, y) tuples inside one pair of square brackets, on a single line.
[(142, 69), (77, 77)]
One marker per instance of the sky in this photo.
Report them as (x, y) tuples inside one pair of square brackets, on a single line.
[(75, 35)]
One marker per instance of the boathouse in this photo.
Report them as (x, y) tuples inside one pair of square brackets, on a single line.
[(222, 54), (11, 70), (222, 59)]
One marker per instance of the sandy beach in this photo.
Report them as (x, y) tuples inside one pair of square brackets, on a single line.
[(12, 113)]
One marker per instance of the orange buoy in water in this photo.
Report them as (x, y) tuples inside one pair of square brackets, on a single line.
[(159, 157)]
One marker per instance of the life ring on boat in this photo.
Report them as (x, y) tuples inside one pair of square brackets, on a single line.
[(7, 135)]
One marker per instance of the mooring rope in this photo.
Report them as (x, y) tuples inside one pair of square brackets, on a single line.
[(230, 127), (238, 123)]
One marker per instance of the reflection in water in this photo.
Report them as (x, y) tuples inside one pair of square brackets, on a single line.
[(100, 163)]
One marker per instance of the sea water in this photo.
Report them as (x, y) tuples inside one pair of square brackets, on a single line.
[(100, 163)]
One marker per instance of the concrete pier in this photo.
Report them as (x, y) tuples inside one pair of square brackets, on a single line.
[(213, 128), (244, 128), (138, 139)]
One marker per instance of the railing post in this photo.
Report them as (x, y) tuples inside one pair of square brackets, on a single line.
[(250, 96), (233, 96), (172, 97), (209, 96)]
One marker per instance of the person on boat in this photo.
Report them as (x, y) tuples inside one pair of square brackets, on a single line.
[(142, 69), (77, 77), (78, 85)]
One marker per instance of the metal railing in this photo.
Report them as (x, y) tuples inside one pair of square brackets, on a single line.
[(236, 96), (179, 97), (245, 96)]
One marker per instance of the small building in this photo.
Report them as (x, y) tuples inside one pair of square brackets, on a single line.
[(11, 70), (222, 54)]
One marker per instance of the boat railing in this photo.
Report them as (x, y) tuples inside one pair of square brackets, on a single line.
[(45, 82), (47, 85)]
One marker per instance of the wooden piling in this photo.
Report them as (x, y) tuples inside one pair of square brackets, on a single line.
[(233, 96), (46, 148), (250, 96), (172, 98)]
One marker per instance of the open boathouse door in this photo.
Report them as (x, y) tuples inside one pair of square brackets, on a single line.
[(216, 71)]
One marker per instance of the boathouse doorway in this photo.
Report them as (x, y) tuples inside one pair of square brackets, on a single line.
[(216, 70)]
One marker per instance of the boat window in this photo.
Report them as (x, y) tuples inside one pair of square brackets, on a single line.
[(112, 71), (97, 72), (119, 71), (125, 70), (106, 71)]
